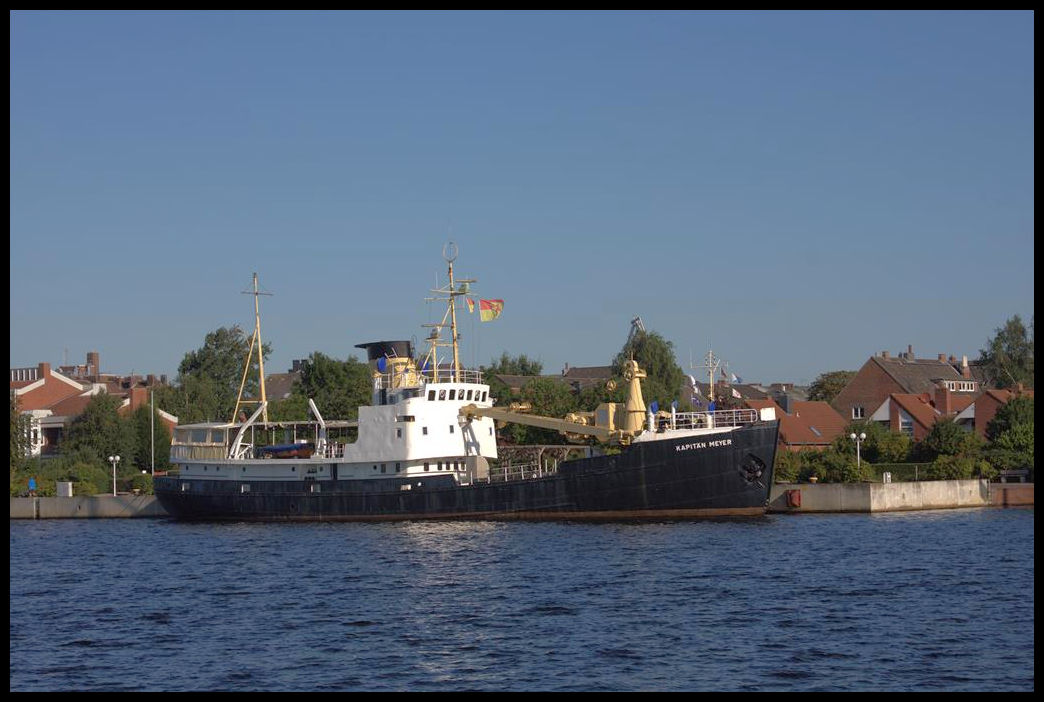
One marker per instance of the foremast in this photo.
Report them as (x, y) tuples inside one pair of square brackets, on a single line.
[(449, 293), (255, 341)]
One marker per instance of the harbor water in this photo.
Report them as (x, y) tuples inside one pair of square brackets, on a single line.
[(918, 601)]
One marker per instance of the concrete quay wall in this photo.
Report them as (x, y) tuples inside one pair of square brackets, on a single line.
[(895, 497), (829, 497), (87, 507)]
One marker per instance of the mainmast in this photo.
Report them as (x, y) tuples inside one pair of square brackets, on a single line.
[(712, 365), (452, 292), (255, 340)]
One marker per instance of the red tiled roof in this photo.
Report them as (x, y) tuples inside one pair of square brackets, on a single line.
[(915, 405)]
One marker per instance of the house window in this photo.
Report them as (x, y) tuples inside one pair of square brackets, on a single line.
[(857, 412), (906, 425)]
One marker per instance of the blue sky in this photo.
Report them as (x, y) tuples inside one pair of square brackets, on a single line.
[(794, 190)]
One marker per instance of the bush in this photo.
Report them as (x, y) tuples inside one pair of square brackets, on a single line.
[(787, 468), (959, 468)]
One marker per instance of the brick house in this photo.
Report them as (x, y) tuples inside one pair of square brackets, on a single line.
[(53, 399), (884, 375), (981, 412), (808, 426)]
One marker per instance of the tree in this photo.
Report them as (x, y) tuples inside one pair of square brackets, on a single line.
[(519, 365), (880, 445), (338, 388), (827, 386), (947, 438), (1010, 435), (144, 429), (20, 424), (655, 355), (99, 433), (1008, 356), (209, 377)]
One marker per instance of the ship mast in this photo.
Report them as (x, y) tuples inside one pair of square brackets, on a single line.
[(255, 340), (711, 364), (452, 292)]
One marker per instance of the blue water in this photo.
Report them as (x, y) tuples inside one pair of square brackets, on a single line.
[(919, 601)]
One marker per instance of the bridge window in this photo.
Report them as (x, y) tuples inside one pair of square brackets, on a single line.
[(425, 466), (431, 396), (451, 428), (453, 393), (442, 394)]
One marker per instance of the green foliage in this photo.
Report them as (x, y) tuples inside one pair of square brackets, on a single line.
[(831, 466), (143, 427), (99, 432), (20, 424), (880, 445), (955, 467), (209, 377), (827, 386), (788, 466), (1008, 356), (518, 365), (947, 438), (655, 355), (338, 388), (1011, 436), (1018, 411)]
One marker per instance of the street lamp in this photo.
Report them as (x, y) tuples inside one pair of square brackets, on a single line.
[(859, 440), (114, 460)]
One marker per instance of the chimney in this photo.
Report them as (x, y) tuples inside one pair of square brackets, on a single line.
[(45, 370), (884, 354), (93, 364), (943, 400), (151, 380), (942, 358), (965, 370), (163, 379), (909, 352)]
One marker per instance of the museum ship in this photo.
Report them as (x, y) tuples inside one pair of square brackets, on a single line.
[(426, 447)]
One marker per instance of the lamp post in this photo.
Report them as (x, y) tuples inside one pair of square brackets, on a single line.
[(114, 460), (859, 440)]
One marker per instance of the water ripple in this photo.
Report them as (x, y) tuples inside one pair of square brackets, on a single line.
[(831, 603)]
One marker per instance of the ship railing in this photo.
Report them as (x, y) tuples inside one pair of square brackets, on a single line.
[(518, 471), (413, 378), (716, 419), (333, 450)]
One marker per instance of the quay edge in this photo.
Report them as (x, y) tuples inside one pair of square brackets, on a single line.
[(814, 498)]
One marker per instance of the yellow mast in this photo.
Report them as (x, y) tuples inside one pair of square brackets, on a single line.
[(255, 340)]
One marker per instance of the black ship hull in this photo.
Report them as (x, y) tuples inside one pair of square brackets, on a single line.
[(712, 475)]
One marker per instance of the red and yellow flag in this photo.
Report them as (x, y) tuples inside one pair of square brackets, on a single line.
[(490, 309), (471, 305)]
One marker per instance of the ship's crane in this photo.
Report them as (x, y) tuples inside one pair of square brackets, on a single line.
[(612, 422)]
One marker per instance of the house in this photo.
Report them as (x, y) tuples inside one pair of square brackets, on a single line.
[(978, 415), (914, 415), (808, 426), (53, 399), (884, 375)]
